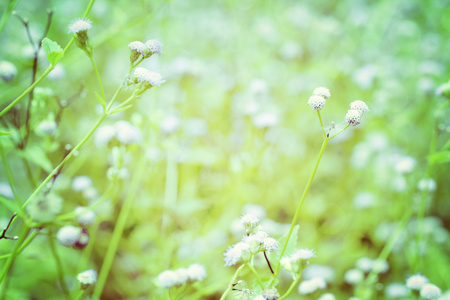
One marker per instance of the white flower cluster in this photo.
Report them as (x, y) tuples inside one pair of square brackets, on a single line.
[(87, 278), (178, 277), (318, 98), (357, 109), (85, 216), (80, 25), (420, 283), (255, 241), (7, 70), (146, 49), (268, 294), (45, 207), (144, 76), (297, 260), (123, 131), (312, 285)]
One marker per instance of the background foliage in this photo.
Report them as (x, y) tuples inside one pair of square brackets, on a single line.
[(228, 63)]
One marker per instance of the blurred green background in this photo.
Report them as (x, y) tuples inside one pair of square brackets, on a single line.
[(230, 132)]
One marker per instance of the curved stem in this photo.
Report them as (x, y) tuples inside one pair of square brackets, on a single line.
[(233, 279), (297, 212), (291, 287), (256, 275), (98, 76), (14, 254)]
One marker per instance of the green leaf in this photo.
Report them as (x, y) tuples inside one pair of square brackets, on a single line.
[(37, 156), (101, 100), (5, 133), (53, 50), (440, 157)]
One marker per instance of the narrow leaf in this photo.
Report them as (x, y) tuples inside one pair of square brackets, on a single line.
[(5, 133), (121, 109), (441, 157)]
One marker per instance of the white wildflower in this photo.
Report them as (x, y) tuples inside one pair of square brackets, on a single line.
[(80, 183), (353, 117), (322, 92), (88, 277), (415, 282), (360, 106), (316, 102), (80, 25), (137, 47), (153, 47), (354, 276), (85, 216), (430, 291), (196, 272)]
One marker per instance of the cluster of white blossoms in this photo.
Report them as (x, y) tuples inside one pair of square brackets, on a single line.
[(147, 78), (178, 277), (318, 98), (45, 207), (297, 260), (80, 27), (419, 283), (357, 109), (253, 242), (268, 294), (146, 49), (87, 278)]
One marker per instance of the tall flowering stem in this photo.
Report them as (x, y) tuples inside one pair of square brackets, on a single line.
[(302, 199)]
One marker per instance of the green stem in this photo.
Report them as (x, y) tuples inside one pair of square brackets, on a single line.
[(250, 266), (55, 170), (291, 287), (91, 57), (125, 102), (14, 254), (7, 13), (59, 268), (232, 281), (117, 234), (297, 212), (340, 131), (48, 70), (80, 293), (321, 123)]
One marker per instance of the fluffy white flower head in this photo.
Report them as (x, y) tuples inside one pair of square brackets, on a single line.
[(271, 244), (249, 220), (327, 296), (167, 279), (196, 272), (360, 106), (143, 75), (316, 102), (47, 127), (153, 47), (68, 235), (323, 92), (137, 47), (234, 253), (80, 183), (427, 184), (7, 70), (80, 25), (304, 254), (88, 277), (312, 285), (353, 117), (416, 281), (85, 216), (430, 291)]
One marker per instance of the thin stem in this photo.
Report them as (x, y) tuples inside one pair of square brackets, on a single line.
[(14, 254), (321, 123), (268, 262), (125, 102), (117, 234), (250, 266), (55, 170), (80, 293), (48, 70), (340, 131), (297, 212), (291, 287), (59, 268), (233, 280), (98, 76), (7, 13)]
